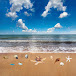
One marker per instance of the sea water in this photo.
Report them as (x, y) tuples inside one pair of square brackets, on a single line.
[(56, 43)]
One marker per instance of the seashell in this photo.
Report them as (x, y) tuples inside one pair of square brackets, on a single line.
[(12, 64), (26, 56), (19, 63), (15, 56), (5, 57), (61, 63), (58, 59)]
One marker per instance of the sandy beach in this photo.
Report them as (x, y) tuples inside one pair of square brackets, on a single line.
[(47, 68)]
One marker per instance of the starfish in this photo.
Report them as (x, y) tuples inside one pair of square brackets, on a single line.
[(68, 58), (37, 62)]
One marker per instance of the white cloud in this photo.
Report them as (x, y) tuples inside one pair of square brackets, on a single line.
[(51, 29), (17, 5), (27, 14), (24, 27), (64, 14), (29, 31), (53, 4), (21, 24), (58, 25), (13, 15)]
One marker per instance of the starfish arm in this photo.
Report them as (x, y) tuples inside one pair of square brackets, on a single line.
[(66, 60), (69, 60), (40, 62), (36, 63), (66, 57), (43, 59)]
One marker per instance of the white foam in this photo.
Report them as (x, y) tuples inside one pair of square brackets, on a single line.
[(34, 49)]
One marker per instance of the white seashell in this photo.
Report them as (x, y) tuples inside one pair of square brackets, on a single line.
[(51, 57), (15, 55), (26, 56), (19, 63), (61, 63)]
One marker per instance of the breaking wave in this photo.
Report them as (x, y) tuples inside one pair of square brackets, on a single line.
[(12, 46)]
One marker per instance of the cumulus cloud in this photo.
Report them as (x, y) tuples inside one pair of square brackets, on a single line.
[(21, 24), (50, 29), (64, 14), (24, 27), (29, 31), (58, 25), (27, 14), (58, 4), (13, 15), (17, 5)]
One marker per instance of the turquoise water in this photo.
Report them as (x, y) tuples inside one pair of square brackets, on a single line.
[(61, 37)]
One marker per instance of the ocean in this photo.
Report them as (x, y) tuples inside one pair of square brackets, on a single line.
[(53, 43)]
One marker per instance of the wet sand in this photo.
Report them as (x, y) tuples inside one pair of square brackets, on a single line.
[(48, 68)]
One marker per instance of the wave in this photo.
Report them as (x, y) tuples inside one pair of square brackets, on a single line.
[(38, 43), (21, 49), (43, 41), (12, 46)]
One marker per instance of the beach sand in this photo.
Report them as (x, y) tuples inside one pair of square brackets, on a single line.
[(47, 68)]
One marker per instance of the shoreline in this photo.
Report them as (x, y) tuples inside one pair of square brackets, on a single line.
[(40, 52)]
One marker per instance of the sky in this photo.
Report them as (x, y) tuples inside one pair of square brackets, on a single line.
[(37, 17)]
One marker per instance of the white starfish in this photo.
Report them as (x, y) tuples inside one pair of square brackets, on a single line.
[(37, 62), (68, 58)]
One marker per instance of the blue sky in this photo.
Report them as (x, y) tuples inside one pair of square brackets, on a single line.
[(37, 16)]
